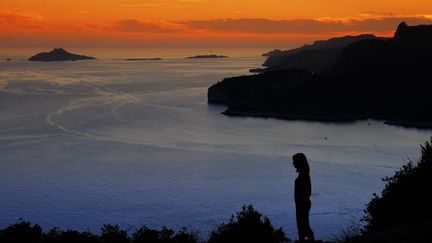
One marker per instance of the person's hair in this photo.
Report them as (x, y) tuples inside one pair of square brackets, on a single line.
[(300, 163)]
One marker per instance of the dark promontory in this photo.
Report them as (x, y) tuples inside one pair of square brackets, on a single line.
[(58, 54), (385, 79)]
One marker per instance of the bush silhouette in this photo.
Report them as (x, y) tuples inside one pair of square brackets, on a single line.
[(248, 226), (144, 235), (22, 231), (407, 196), (113, 234), (402, 213), (184, 236), (55, 235)]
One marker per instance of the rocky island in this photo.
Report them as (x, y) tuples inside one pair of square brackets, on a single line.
[(58, 54), (206, 57), (376, 78), (144, 59)]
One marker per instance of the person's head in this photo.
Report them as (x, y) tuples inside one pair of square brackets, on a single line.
[(300, 163)]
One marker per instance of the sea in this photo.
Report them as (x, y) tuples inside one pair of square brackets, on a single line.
[(135, 143)]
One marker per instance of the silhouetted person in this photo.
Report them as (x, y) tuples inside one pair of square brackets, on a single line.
[(302, 193)]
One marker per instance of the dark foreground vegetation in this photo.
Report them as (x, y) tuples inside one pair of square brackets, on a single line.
[(402, 213), (247, 225), (359, 78)]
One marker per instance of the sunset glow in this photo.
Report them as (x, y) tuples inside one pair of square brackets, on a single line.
[(199, 22)]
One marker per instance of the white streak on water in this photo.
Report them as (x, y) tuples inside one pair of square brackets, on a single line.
[(52, 117)]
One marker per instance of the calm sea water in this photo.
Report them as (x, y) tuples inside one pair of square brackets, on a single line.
[(111, 141)]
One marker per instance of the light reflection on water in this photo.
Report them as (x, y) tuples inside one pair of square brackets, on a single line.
[(111, 141)]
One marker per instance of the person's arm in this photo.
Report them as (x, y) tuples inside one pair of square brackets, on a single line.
[(308, 187)]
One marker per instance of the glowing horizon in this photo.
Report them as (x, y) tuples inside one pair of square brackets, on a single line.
[(199, 23)]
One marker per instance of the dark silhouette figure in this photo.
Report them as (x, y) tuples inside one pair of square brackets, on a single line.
[(302, 193)]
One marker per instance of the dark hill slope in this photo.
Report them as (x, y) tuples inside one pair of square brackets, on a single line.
[(380, 79), (315, 58)]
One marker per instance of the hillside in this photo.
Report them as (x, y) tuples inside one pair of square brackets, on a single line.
[(402, 212), (315, 58), (374, 78)]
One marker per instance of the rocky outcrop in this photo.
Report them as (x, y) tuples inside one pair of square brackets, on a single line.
[(419, 32), (386, 79), (247, 90), (217, 94), (58, 54)]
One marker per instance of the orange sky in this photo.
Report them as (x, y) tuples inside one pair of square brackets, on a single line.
[(202, 23)]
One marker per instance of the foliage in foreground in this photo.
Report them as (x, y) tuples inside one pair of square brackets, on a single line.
[(407, 195), (24, 231), (403, 211), (247, 226)]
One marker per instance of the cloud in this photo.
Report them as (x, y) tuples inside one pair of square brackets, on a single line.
[(294, 27), (19, 19), (31, 28), (306, 26), (133, 25)]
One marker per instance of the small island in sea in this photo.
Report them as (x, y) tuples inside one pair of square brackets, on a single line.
[(58, 54), (340, 80), (206, 57), (144, 59)]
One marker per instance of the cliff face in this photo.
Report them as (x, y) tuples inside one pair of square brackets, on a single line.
[(409, 49), (58, 54), (419, 32), (248, 90), (372, 78), (217, 94)]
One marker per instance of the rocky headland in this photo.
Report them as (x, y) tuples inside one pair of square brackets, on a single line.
[(376, 78)]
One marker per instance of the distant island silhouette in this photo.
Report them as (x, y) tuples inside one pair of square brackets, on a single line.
[(58, 54), (364, 77), (144, 59), (206, 56)]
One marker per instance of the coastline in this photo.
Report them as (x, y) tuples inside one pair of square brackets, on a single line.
[(346, 79), (329, 118)]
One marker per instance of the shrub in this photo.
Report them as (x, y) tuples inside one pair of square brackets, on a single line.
[(55, 235), (22, 231), (113, 234), (146, 235), (406, 198), (248, 226)]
